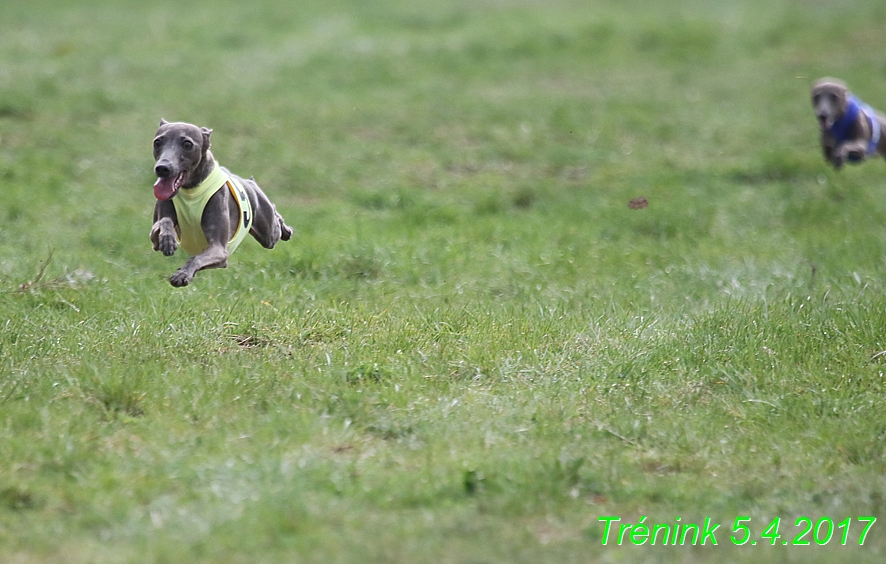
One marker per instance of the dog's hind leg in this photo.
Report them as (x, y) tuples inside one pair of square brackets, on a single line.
[(269, 227)]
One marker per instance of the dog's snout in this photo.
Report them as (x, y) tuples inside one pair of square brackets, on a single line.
[(162, 171)]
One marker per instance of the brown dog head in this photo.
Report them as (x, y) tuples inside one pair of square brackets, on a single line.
[(182, 156), (830, 98)]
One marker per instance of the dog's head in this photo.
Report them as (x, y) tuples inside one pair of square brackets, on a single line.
[(830, 98), (179, 150)]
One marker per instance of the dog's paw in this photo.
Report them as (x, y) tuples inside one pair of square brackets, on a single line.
[(180, 279), (855, 156), (167, 245), (285, 232)]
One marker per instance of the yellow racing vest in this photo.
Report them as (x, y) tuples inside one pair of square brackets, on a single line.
[(189, 205)]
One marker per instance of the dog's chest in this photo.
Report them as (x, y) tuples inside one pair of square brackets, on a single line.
[(189, 214)]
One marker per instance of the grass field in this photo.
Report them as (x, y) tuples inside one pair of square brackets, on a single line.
[(472, 349)]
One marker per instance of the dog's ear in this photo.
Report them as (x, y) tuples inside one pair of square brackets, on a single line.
[(841, 91), (206, 133), (163, 122)]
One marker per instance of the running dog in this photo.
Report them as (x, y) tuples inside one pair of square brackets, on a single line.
[(850, 129), (202, 206)]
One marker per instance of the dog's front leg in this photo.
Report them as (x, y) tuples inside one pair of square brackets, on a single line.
[(163, 231), (216, 226), (830, 150), (854, 152), (835, 159), (216, 256)]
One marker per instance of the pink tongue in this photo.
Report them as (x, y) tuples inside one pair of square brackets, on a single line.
[(164, 188)]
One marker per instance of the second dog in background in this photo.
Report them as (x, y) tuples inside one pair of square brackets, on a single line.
[(850, 129)]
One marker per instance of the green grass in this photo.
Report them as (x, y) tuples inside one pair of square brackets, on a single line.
[(472, 348)]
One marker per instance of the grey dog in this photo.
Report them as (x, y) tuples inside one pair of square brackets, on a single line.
[(203, 206), (850, 129)]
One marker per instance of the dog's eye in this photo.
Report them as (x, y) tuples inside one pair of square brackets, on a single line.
[(187, 145), (157, 143)]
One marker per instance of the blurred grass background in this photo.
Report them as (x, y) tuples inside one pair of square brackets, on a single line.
[(472, 348)]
